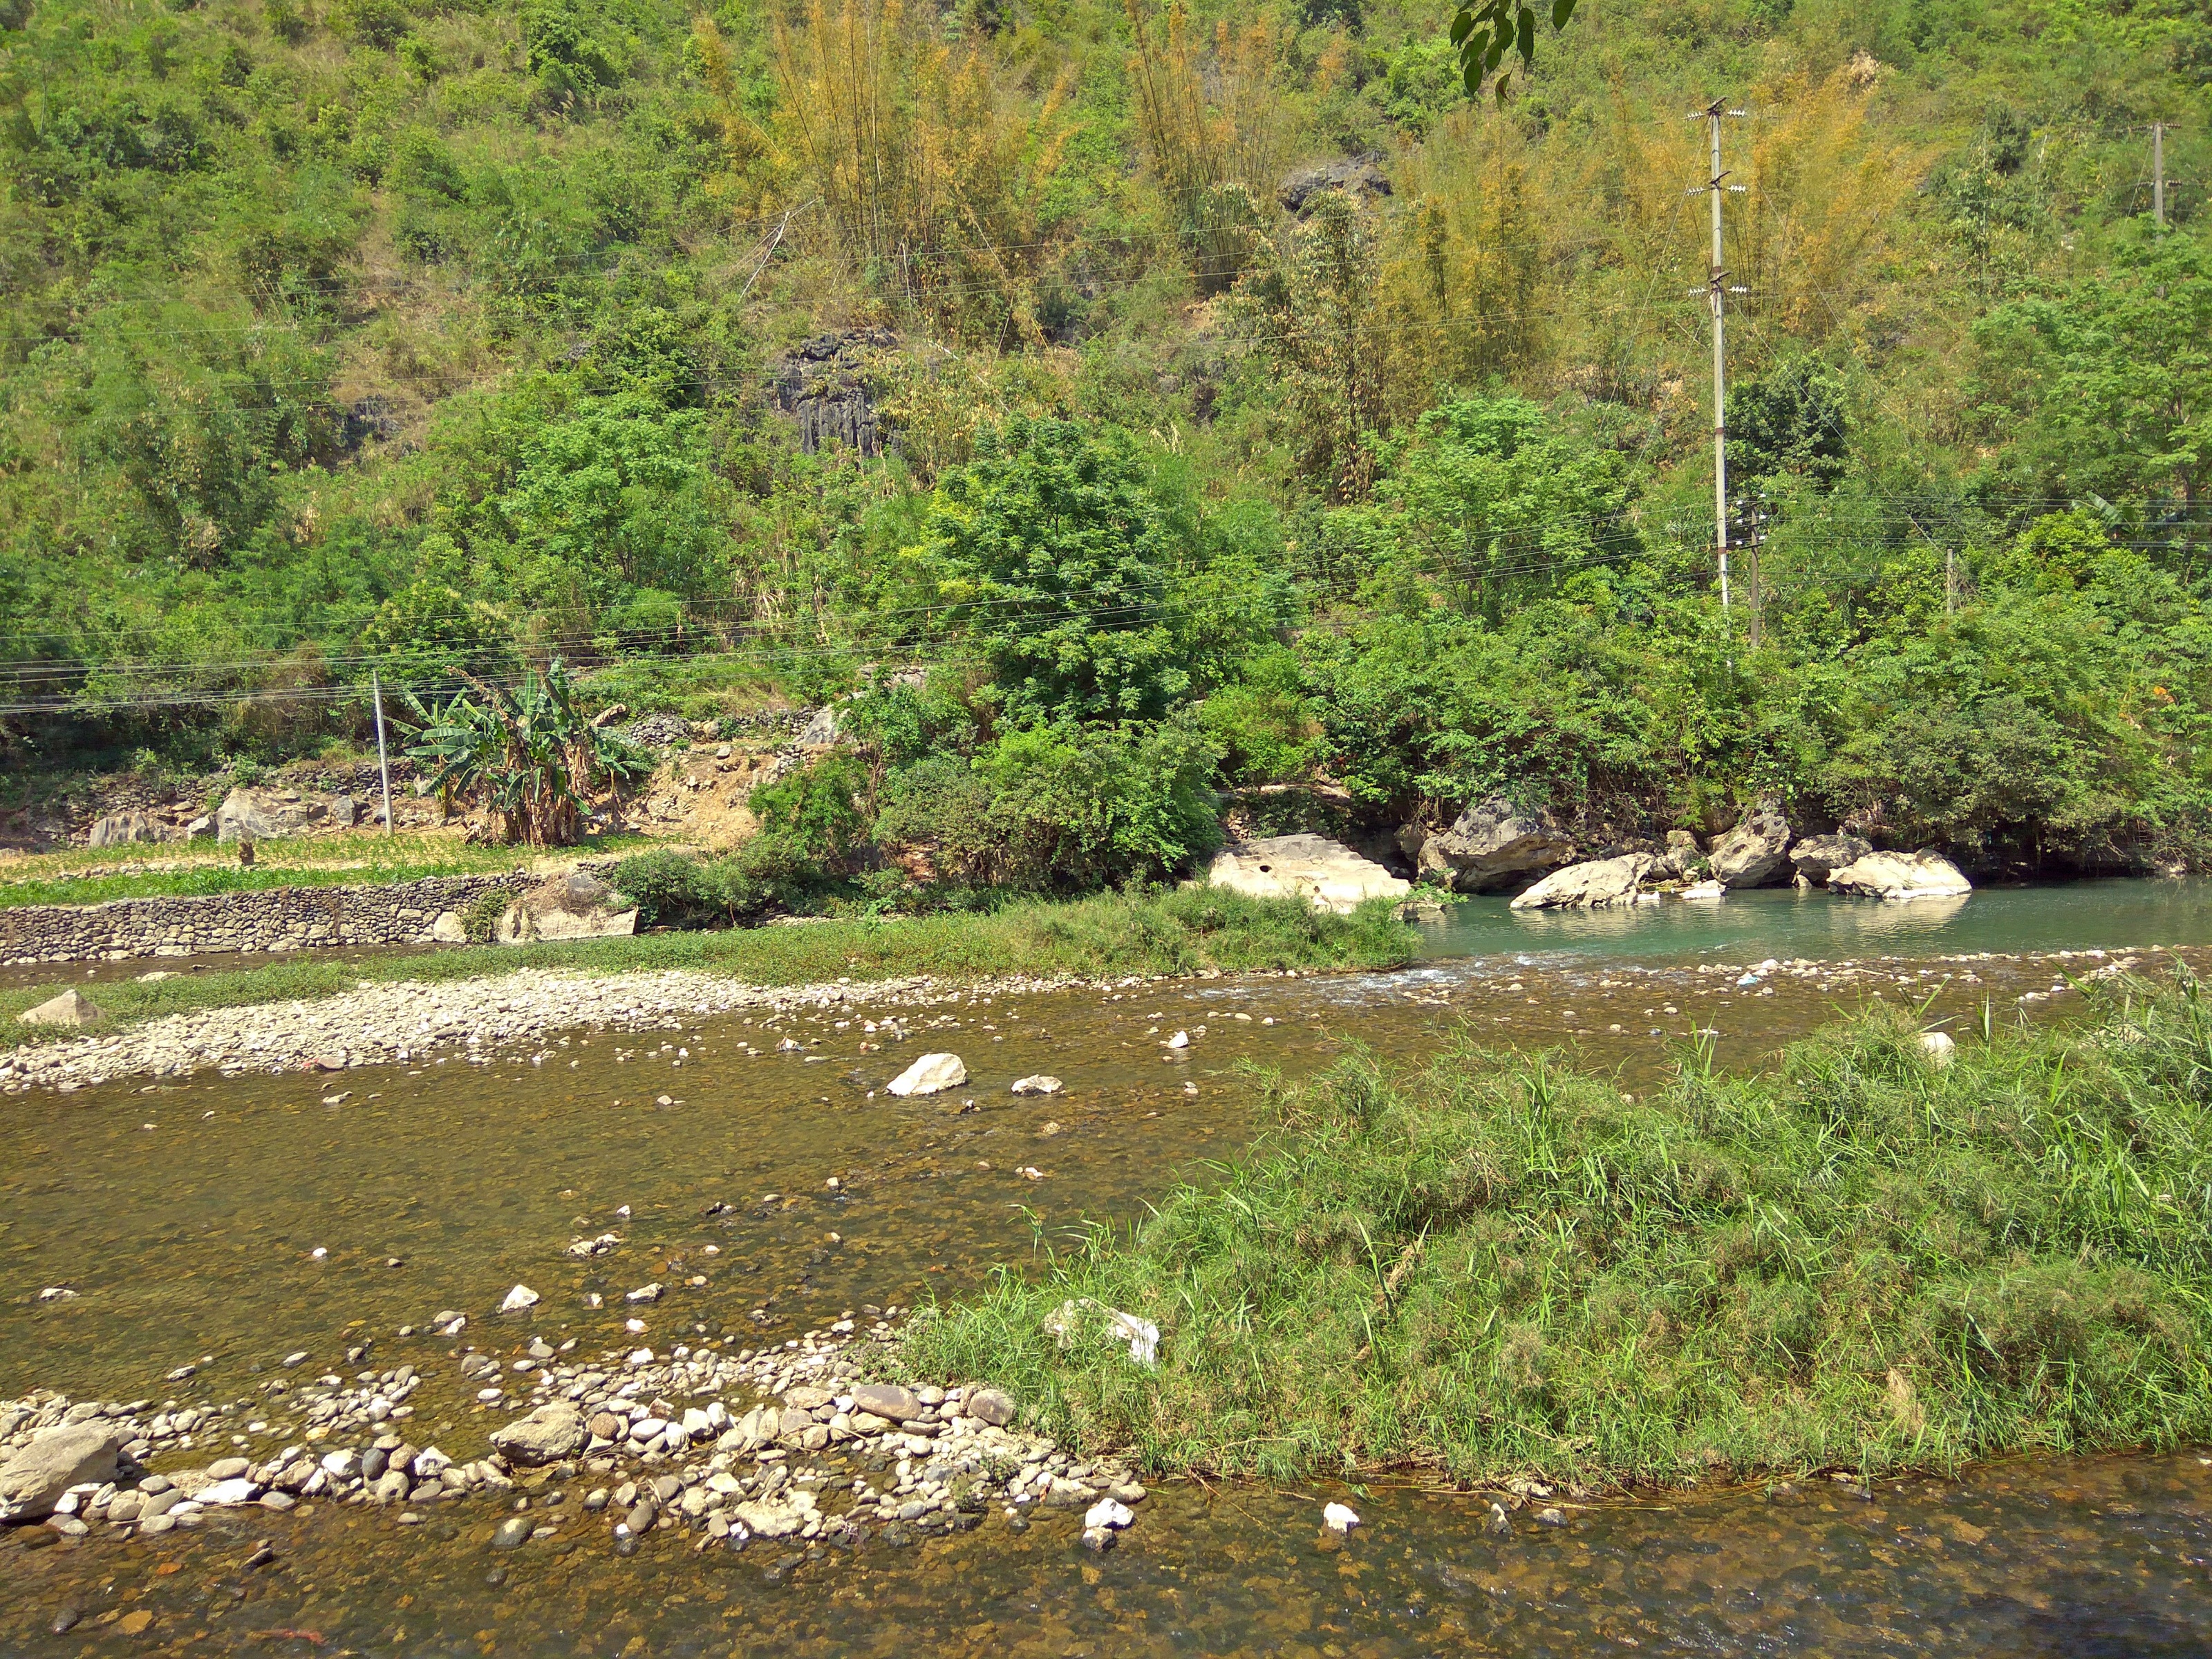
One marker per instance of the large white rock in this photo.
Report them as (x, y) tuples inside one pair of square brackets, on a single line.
[(930, 1074), (1751, 853), (1901, 875), (1600, 882), (253, 814), (1818, 857), (71, 1007), (78, 1453), (1492, 847), (1326, 874), (574, 906)]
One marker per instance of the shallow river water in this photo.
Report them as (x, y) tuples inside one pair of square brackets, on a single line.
[(226, 1223)]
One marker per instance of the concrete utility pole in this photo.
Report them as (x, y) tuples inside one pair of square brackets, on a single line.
[(383, 765), (1717, 290), (2158, 173)]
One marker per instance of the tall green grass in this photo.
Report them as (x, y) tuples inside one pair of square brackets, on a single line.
[(1180, 931), (1496, 1267)]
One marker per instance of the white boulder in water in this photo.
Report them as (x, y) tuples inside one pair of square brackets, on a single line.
[(1326, 874), (1901, 875), (1601, 882), (930, 1074)]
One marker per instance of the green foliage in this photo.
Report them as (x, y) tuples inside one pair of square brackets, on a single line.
[(1498, 1269), (1062, 808), (815, 815), (530, 756), (1057, 555)]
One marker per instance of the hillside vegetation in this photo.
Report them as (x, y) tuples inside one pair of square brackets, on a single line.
[(418, 335)]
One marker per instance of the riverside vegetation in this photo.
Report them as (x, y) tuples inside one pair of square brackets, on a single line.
[(1500, 1269), (739, 352)]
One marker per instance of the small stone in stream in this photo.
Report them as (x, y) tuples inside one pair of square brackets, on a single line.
[(1107, 1512), (1100, 1538), (64, 1621), (264, 1554), (1037, 1084), (495, 1578), (1498, 1525), (519, 1297), (513, 1533), (1339, 1517), (641, 1518), (1550, 1518)]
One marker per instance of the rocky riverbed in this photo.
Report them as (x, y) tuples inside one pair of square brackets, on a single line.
[(400, 1022), (790, 1441)]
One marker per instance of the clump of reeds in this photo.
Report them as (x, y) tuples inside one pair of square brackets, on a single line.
[(1496, 1266)]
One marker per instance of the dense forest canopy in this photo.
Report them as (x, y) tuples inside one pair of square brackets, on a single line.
[(1208, 399)]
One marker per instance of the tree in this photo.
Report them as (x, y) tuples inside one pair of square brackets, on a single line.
[(1058, 558), (529, 756)]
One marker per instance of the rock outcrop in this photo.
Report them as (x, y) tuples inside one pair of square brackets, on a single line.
[(130, 828), (1491, 846), (1600, 882), (1752, 853), (1326, 874), (1901, 875), (1817, 857), (574, 906), (251, 814), (823, 385), (1355, 176)]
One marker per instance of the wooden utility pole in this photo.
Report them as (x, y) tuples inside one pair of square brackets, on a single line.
[(1717, 290)]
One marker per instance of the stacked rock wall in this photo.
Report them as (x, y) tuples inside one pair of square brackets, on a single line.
[(273, 919)]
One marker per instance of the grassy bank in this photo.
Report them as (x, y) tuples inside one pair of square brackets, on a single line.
[(1493, 1267), (1180, 931), (93, 876)]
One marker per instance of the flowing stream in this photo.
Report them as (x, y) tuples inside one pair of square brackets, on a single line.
[(228, 1224)]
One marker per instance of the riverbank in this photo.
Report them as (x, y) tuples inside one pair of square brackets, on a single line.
[(283, 1015), (1863, 1258)]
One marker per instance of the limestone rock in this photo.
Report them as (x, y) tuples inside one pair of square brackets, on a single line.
[(1600, 882), (1491, 846), (821, 729), (71, 1007), (1817, 857), (1939, 1048), (253, 814), (1751, 855), (574, 906), (1901, 875), (1684, 858), (549, 1434), (32, 1480), (930, 1074), (125, 829), (1355, 176), (449, 929), (1326, 874), (1039, 1084)]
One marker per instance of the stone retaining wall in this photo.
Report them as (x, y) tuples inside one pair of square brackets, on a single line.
[(274, 919)]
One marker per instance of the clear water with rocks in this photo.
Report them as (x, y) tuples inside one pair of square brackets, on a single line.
[(186, 1215)]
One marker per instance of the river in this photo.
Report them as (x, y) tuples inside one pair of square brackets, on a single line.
[(228, 1224)]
